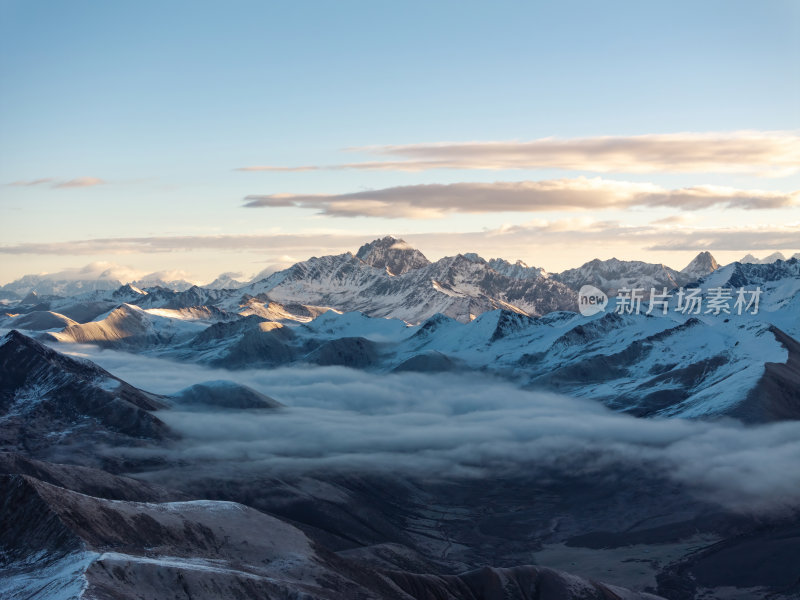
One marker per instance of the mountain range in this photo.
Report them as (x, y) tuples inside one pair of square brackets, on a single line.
[(392, 255), (114, 491), (386, 308)]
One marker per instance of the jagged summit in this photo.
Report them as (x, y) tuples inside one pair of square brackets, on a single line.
[(702, 264), (474, 257), (394, 255), (517, 270), (15, 337), (127, 293)]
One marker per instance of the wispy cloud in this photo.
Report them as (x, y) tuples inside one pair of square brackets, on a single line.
[(77, 182), (766, 153), (31, 182), (438, 200), (80, 182)]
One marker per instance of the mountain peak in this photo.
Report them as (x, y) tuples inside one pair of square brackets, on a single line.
[(32, 358), (31, 298), (393, 254), (517, 270), (15, 337), (701, 265), (773, 257)]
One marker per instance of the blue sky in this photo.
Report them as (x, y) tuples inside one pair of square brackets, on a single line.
[(148, 108)]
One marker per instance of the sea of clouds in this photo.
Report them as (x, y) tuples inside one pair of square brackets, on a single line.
[(452, 426)]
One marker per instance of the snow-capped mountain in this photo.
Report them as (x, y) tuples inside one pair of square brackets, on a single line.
[(459, 286), (613, 275), (177, 285), (672, 364), (750, 259), (517, 270), (393, 255), (740, 274), (702, 265), (385, 278), (226, 281), (404, 313)]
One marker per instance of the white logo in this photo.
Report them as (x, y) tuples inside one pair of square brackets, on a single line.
[(591, 300)]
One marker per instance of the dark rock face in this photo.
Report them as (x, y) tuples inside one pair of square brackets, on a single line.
[(48, 399), (429, 362), (528, 583), (355, 352)]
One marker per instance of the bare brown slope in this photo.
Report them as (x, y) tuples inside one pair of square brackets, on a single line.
[(206, 550)]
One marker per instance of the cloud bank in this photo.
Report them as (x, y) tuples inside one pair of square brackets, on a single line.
[(108, 271), (455, 426), (439, 200), (766, 153)]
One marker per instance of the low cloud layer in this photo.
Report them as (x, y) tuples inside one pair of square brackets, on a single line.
[(108, 271), (446, 426), (438, 200), (767, 153)]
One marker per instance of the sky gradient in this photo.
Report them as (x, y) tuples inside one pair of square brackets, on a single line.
[(203, 137)]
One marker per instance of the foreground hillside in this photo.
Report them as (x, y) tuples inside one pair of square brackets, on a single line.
[(480, 493)]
